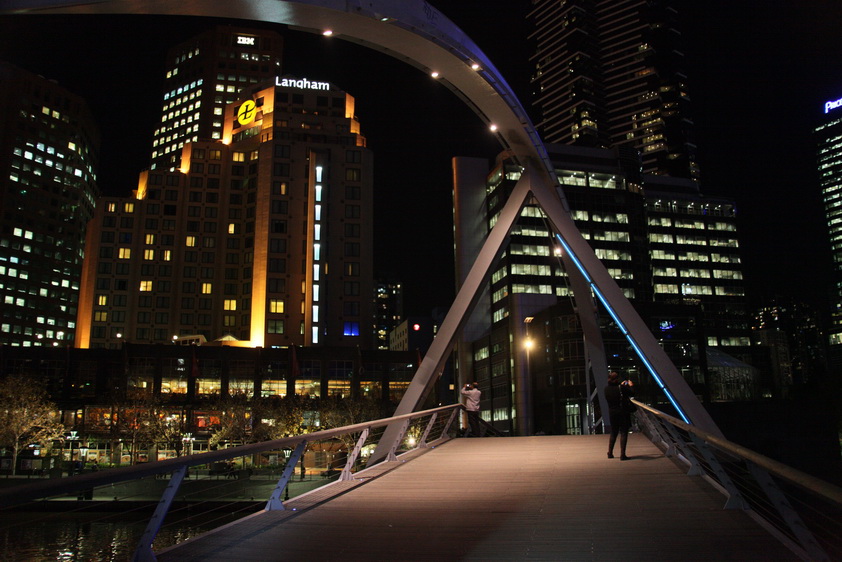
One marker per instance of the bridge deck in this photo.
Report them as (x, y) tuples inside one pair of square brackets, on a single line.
[(541, 498)]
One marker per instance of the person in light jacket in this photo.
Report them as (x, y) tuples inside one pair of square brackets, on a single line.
[(472, 395)]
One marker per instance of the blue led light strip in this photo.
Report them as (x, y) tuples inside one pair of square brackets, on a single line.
[(623, 329)]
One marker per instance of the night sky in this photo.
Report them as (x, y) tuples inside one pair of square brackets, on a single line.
[(759, 73)]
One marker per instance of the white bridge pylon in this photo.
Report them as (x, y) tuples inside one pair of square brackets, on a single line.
[(418, 34)]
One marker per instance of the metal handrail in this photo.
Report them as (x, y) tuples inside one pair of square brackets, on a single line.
[(805, 481), (48, 488), (751, 481)]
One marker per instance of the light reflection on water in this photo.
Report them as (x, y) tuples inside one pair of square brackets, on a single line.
[(100, 537)]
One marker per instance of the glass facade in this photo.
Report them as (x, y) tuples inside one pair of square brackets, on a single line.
[(48, 190), (829, 138)]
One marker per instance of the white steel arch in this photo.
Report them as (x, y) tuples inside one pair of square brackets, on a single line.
[(418, 34)]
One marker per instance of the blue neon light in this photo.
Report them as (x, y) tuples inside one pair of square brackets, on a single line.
[(623, 329)]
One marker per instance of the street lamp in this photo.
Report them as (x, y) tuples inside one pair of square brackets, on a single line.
[(72, 438), (287, 454)]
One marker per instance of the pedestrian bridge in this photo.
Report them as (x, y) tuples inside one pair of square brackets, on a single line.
[(499, 498), (683, 494)]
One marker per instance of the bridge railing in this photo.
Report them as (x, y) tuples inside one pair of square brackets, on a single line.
[(803, 512), (235, 481)]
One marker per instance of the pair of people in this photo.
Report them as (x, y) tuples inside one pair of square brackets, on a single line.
[(618, 394)]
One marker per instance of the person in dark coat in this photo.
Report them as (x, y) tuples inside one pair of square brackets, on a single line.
[(616, 394)]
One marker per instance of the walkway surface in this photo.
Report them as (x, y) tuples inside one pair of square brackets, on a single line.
[(524, 498)]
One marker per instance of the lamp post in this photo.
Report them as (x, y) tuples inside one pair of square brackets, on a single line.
[(72, 438), (287, 453)]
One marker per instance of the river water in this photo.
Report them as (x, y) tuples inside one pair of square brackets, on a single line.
[(100, 537)]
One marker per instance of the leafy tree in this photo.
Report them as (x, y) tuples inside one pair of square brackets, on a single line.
[(235, 420), (275, 418), (26, 416), (338, 412)]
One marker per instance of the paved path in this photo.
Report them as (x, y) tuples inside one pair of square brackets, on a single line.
[(525, 498)]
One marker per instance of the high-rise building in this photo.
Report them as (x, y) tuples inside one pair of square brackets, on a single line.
[(672, 251), (203, 75), (388, 310), (264, 236), (829, 139), (611, 73), (49, 151)]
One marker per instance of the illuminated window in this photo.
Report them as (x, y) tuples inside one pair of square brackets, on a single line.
[(124, 253), (230, 304), (146, 286), (207, 288), (149, 255), (276, 306), (100, 316), (150, 239), (190, 242), (128, 207), (232, 228), (102, 300), (167, 255), (215, 154), (239, 157), (111, 207)]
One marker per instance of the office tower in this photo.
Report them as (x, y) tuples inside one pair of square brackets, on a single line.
[(203, 75), (49, 150), (828, 133), (388, 310), (672, 251), (263, 237), (611, 73)]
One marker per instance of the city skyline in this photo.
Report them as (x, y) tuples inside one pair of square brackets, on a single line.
[(782, 231)]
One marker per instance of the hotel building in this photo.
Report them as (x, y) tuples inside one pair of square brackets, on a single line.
[(49, 150), (263, 237)]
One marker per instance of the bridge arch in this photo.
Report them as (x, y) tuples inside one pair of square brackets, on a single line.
[(420, 35)]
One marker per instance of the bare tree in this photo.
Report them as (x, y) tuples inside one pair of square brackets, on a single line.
[(26, 416)]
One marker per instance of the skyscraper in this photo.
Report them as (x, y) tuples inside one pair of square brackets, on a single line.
[(264, 236), (49, 150), (611, 73), (203, 75), (673, 252), (829, 140)]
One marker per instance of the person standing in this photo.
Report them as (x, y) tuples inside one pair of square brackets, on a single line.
[(619, 413), (472, 394)]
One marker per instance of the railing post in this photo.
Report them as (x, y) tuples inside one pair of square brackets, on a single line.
[(787, 513), (453, 415), (275, 503), (735, 498), (422, 443), (397, 442), (143, 552), (352, 458), (686, 453)]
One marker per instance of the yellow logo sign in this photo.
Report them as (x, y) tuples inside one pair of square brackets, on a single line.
[(246, 113)]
